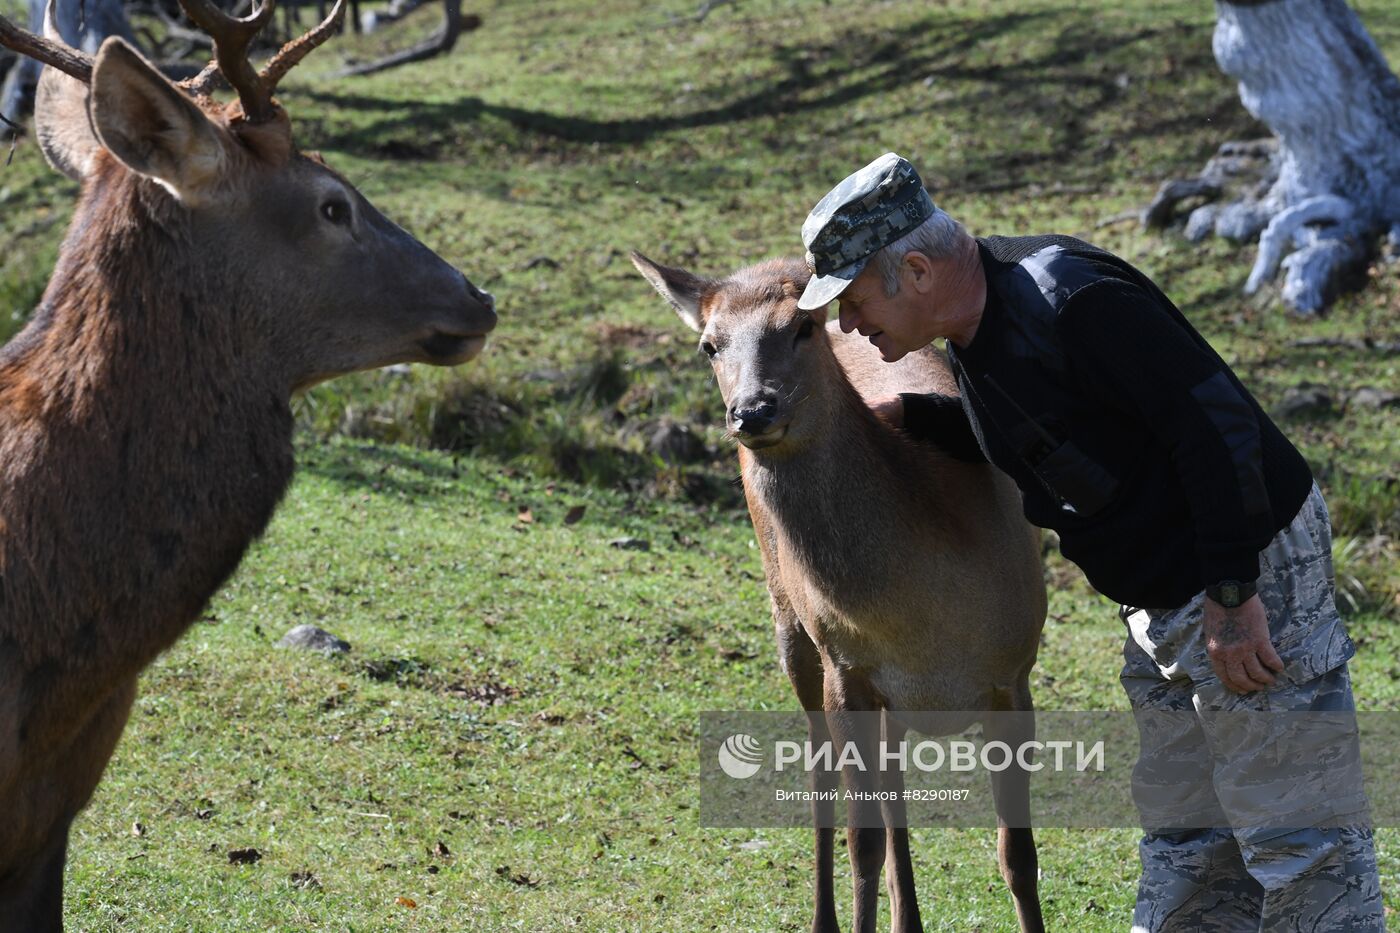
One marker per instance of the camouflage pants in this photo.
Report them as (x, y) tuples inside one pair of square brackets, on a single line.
[(1315, 871)]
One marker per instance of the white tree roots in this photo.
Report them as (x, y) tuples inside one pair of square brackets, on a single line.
[(1320, 195)]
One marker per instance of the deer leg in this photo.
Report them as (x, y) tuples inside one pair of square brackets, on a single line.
[(804, 668), (1013, 722), (899, 867), (33, 901), (850, 703)]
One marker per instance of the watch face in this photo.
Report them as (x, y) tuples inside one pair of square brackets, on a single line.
[(1229, 595)]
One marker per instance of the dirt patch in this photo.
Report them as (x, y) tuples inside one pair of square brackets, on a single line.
[(631, 336), (490, 693)]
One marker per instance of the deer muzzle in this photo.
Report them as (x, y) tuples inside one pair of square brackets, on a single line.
[(757, 423), (465, 337)]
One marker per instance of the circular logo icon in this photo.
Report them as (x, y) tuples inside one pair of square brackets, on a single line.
[(740, 756)]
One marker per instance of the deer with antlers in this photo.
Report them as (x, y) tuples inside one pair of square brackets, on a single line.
[(210, 271)]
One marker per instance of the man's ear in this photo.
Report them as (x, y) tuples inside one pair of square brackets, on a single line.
[(917, 270), (681, 289), (152, 126)]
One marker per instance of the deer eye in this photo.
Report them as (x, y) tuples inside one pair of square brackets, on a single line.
[(708, 349), (337, 211), (805, 330)]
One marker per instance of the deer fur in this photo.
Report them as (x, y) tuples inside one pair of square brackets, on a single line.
[(901, 580), (145, 428)]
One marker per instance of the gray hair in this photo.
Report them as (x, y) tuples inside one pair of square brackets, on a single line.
[(937, 237)]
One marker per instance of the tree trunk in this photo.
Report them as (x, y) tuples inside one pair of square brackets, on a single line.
[(83, 24), (1309, 70)]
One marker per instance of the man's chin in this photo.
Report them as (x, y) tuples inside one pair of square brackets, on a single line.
[(889, 353)]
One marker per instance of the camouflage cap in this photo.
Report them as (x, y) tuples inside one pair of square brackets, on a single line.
[(870, 209)]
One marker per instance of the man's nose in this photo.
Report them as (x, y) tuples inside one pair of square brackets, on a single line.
[(848, 319)]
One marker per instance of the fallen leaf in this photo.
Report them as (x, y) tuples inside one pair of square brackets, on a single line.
[(408, 902), (138, 829), (243, 856), (519, 878), (305, 879), (441, 850), (574, 514), (525, 517)]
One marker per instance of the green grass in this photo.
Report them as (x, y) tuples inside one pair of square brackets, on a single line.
[(582, 779), (556, 138)]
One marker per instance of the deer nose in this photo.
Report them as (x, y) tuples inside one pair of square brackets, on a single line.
[(482, 295), (485, 302), (752, 420)]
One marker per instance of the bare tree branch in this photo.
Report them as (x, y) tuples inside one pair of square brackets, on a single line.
[(708, 7), (15, 132), (453, 26), (69, 61)]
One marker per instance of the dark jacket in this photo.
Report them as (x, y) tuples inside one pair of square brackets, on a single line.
[(1126, 433)]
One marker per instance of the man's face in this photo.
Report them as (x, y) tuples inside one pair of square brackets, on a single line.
[(892, 323)]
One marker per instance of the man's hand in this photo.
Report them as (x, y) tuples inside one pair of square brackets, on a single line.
[(889, 409), (1237, 641)]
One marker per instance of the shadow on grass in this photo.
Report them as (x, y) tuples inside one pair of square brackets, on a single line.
[(367, 465), (1065, 86)]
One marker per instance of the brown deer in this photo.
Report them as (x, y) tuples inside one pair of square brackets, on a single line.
[(210, 271), (903, 582)]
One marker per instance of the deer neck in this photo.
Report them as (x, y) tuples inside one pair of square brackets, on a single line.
[(136, 442)]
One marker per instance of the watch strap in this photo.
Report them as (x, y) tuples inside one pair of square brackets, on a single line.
[(1231, 593)]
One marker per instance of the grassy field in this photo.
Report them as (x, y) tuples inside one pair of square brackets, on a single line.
[(509, 745)]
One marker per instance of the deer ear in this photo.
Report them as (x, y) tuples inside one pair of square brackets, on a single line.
[(681, 289), (152, 126), (60, 115)]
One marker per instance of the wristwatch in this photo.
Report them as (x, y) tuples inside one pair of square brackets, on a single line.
[(1231, 594)]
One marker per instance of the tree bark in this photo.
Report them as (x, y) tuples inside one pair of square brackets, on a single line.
[(1309, 70), (83, 24)]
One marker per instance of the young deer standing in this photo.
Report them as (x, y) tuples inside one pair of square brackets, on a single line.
[(902, 580), (210, 271)]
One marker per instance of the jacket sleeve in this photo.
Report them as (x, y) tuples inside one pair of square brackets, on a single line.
[(941, 420), (1130, 351)]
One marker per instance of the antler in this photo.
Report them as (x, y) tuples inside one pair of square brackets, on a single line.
[(50, 51), (293, 52), (232, 37)]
